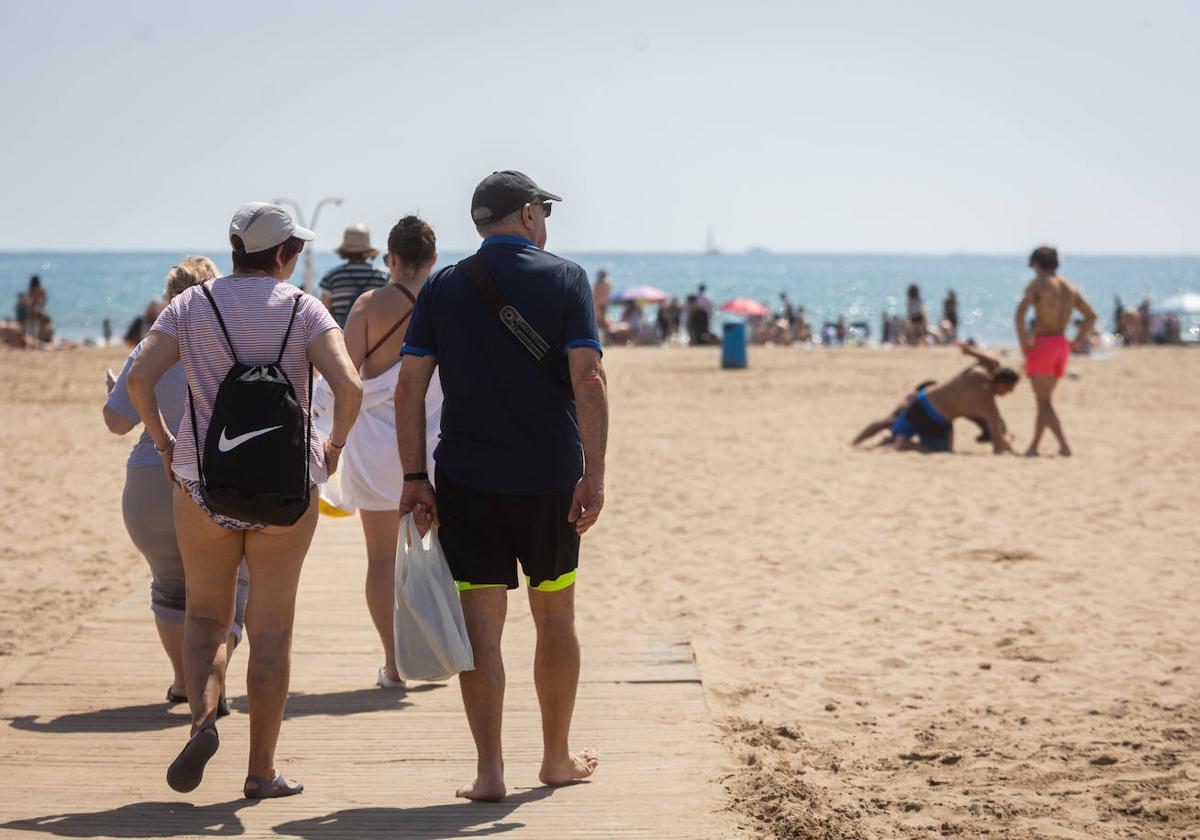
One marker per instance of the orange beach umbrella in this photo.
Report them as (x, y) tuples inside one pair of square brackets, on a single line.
[(745, 306)]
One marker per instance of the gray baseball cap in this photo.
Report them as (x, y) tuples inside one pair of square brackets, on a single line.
[(503, 192)]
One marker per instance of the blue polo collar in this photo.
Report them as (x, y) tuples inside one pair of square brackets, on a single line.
[(505, 239)]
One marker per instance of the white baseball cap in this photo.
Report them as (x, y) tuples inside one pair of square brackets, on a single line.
[(263, 225)]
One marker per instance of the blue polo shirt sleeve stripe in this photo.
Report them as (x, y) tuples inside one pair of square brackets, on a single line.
[(411, 350), (579, 321)]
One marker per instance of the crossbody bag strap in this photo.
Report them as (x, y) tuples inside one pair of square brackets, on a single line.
[(511, 319), (220, 320)]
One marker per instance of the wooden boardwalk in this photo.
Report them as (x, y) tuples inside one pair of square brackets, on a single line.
[(85, 737)]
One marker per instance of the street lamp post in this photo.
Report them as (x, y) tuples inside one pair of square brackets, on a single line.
[(308, 252)]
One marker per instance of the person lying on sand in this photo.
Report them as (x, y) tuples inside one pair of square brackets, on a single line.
[(925, 421), (885, 424)]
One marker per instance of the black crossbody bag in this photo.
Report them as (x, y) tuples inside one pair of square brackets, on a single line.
[(549, 358)]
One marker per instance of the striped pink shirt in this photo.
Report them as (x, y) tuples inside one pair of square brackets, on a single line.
[(256, 311)]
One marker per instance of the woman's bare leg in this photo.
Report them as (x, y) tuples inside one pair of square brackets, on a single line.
[(382, 531), (211, 556), (171, 636), (275, 556)]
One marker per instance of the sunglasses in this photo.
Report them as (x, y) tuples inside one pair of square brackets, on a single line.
[(546, 207)]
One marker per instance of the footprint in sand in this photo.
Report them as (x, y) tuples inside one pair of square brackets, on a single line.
[(1000, 555)]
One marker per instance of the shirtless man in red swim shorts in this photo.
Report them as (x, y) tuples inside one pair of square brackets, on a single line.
[(1053, 299)]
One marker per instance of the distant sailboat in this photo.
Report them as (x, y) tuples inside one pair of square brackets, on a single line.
[(710, 246)]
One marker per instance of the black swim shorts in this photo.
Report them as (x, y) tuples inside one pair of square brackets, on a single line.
[(485, 535)]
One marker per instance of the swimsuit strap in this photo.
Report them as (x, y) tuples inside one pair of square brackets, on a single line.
[(396, 325)]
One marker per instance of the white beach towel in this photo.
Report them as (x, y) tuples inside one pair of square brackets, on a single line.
[(370, 473)]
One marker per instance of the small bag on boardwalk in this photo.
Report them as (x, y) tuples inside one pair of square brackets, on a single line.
[(430, 631)]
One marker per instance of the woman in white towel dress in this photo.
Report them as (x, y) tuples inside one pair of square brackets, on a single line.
[(371, 474)]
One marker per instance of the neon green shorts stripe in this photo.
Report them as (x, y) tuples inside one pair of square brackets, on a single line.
[(463, 586), (560, 582)]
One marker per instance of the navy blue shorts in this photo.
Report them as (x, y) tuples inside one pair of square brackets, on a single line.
[(922, 421)]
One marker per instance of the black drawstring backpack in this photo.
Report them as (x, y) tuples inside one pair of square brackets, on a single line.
[(255, 464)]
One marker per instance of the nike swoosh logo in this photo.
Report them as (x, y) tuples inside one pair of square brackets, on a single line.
[(225, 443)]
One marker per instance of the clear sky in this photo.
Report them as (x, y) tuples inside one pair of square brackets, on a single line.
[(798, 126)]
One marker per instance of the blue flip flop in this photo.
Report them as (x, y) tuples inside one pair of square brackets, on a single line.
[(187, 770), (270, 788)]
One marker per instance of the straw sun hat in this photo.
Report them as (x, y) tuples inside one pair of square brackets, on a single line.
[(356, 242)]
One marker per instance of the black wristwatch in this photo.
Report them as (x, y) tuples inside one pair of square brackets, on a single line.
[(416, 476)]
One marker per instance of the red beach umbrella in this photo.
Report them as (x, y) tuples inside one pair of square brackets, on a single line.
[(745, 306)]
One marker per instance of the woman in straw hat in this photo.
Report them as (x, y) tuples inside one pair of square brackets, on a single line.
[(342, 286)]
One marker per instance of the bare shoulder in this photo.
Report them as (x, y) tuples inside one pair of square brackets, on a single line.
[(364, 300), (358, 311), (1069, 287), (979, 375)]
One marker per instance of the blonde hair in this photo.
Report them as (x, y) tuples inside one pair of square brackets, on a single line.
[(191, 271)]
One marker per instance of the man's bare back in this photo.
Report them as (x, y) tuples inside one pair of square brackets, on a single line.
[(1053, 299), (963, 396)]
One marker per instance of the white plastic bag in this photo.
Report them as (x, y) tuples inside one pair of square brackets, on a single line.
[(430, 631)]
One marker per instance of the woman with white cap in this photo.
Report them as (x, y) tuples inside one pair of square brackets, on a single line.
[(237, 336)]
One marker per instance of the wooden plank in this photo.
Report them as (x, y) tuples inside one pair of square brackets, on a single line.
[(86, 739)]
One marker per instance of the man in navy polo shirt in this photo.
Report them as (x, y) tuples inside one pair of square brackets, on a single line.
[(520, 464)]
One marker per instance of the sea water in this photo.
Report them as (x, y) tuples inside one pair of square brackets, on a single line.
[(85, 289)]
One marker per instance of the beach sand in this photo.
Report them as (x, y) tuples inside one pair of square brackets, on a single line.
[(894, 645)]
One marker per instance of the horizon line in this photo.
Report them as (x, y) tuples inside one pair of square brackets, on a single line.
[(753, 251)]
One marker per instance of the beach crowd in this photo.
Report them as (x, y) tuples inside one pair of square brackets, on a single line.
[(473, 400), (924, 419)]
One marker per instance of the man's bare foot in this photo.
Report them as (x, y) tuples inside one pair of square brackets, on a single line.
[(485, 788), (572, 768), (1065, 452), (1031, 453)]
